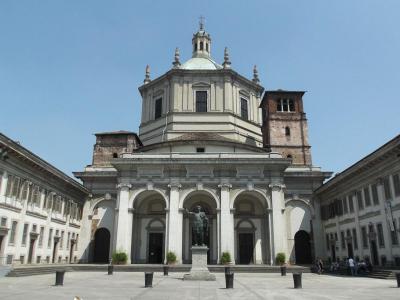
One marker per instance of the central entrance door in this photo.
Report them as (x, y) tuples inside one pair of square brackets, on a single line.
[(246, 247), (156, 240)]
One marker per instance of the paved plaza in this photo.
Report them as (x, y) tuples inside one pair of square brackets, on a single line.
[(124, 285)]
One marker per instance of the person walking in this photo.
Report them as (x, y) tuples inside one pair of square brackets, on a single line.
[(320, 266), (352, 266)]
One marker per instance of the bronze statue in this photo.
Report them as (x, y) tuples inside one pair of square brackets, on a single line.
[(200, 226)]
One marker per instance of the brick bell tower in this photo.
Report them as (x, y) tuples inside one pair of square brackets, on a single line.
[(284, 125)]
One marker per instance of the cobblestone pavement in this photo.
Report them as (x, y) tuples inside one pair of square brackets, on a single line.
[(123, 285)]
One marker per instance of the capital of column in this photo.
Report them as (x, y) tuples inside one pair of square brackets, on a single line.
[(175, 186), (277, 187), (379, 181), (124, 186), (225, 186)]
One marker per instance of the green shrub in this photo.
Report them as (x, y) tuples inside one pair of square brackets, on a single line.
[(119, 258), (225, 258), (171, 257), (280, 258)]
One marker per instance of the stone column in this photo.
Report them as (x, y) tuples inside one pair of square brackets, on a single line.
[(279, 231), (318, 232), (227, 222), (4, 180), (123, 232), (384, 219), (175, 222)]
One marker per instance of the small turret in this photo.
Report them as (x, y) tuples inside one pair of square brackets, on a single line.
[(147, 76), (255, 75), (176, 62), (201, 42), (227, 63)]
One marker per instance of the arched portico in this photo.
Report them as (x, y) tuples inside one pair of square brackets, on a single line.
[(148, 227), (252, 240), (209, 204)]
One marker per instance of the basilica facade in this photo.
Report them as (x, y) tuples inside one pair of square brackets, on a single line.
[(210, 137)]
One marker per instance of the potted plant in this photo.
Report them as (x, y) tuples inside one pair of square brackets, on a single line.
[(226, 258), (119, 258), (280, 260), (171, 258)]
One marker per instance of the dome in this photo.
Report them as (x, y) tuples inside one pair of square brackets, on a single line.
[(200, 63)]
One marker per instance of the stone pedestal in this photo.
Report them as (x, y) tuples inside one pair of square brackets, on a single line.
[(199, 270)]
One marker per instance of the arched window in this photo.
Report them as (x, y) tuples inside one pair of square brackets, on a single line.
[(207, 47), (195, 47), (287, 131), (201, 46)]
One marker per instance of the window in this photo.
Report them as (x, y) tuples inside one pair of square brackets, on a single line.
[(13, 232), (364, 236), (355, 240), (76, 242), (68, 239), (201, 101), (375, 197), (34, 227), (359, 200), (25, 234), (342, 240), (41, 236), (3, 222), (285, 105), (386, 187), (15, 186), (194, 47), (351, 204), (200, 150), (62, 240), (158, 108), (207, 47), (201, 46), (36, 196), (393, 234), (244, 109), (396, 183), (345, 207), (24, 190), (9, 185), (50, 238), (367, 197), (381, 239), (287, 131)]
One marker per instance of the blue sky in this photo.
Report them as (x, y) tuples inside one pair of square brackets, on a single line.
[(69, 69)]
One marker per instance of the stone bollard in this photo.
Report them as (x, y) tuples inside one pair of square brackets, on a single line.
[(110, 269), (227, 269), (229, 280), (397, 274), (297, 280), (148, 279), (60, 277), (165, 269), (283, 270)]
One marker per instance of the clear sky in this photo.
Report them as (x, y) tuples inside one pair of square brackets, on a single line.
[(69, 69)]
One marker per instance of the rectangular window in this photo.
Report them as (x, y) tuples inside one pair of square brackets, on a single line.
[(158, 108), (25, 234), (355, 240), (36, 196), (351, 204), (393, 234), (244, 109), (62, 240), (41, 236), (200, 150), (9, 185), (375, 197), (50, 238), (13, 232), (201, 101), (367, 197), (342, 240), (396, 183), (359, 200), (68, 239), (3, 222), (345, 207), (381, 239), (16, 187), (386, 187), (364, 237)]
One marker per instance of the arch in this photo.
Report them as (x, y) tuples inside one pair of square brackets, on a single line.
[(256, 193), (142, 193), (302, 201), (192, 192), (302, 247), (155, 220), (95, 204), (101, 249), (243, 221)]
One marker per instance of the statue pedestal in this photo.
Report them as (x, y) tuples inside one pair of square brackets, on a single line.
[(199, 270)]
